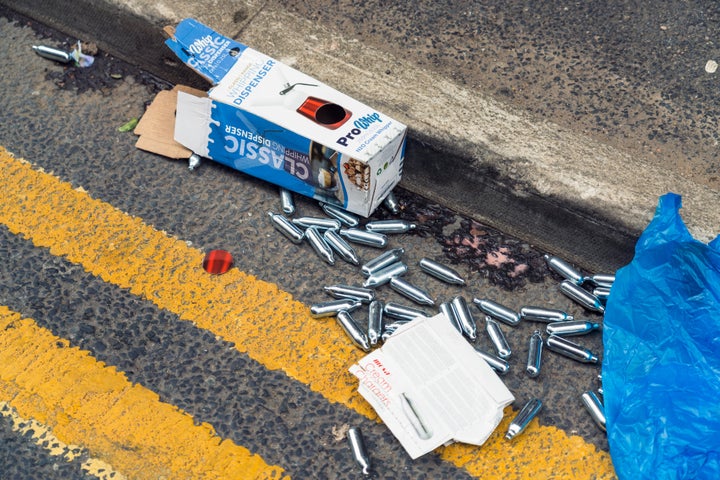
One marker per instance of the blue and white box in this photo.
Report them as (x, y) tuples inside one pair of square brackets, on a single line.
[(273, 122)]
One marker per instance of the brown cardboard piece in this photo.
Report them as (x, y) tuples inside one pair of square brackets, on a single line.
[(157, 126)]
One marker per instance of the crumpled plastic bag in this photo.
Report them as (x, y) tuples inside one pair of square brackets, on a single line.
[(661, 361)]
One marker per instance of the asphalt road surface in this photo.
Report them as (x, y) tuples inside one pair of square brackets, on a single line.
[(121, 358)]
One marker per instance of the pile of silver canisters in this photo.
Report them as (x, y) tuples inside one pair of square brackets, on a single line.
[(332, 236)]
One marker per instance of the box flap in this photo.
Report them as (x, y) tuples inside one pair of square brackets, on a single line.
[(202, 49), (156, 127), (193, 122)]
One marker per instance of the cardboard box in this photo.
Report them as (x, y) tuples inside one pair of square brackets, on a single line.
[(431, 387), (273, 122)]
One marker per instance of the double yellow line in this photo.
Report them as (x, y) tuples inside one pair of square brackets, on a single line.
[(261, 320), (125, 426)]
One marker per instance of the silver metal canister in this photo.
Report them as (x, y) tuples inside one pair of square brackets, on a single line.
[(383, 260), (318, 243), (391, 203), (441, 272), (414, 293), (497, 311), (286, 201), (53, 54), (464, 317), (402, 312), (570, 349), (569, 329), (356, 334), (340, 246), (365, 295), (581, 296), (541, 314), (286, 227), (390, 226), (381, 277), (376, 322), (331, 308), (497, 363), (602, 279), (534, 361), (362, 237), (564, 269), (357, 445), (497, 337), (602, 293), (595, 408), (523, 418), (319, 222), (345, 217)]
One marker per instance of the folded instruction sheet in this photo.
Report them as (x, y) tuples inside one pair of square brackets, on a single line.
[(431, 387)]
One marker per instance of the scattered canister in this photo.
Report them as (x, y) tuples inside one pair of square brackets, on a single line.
[(331, 308), (390, 226), (356, 334), (402, 312), (570, 349), (541, 314), (564, 269), (569, 329), (498, 311), (464, 317), (286, 227), (376, 321), (534, 361), (318, 243), (441, 272), (345, 217), (319, 222), (357, 445), (381, 261), (523, 418), (497, 337), (497, 363), (414, 293), (362, 237), (286, 201), (581, 296), (595, 408), (381, 277), (340, 246), (363, 294)]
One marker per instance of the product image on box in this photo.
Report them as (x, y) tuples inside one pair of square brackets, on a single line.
[(323, 164), (324, 113)]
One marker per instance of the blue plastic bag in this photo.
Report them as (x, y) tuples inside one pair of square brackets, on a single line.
[(661, 361)]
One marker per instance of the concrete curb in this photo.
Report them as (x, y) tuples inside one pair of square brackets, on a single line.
[(495, 166)]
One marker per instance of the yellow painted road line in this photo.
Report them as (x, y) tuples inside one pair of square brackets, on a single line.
[(260, 319), (43, 436), (89, 404)]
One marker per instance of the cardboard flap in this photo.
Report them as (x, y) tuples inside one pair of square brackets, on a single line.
[(156, 127)]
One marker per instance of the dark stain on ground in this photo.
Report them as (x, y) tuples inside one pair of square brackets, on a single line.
[(103, 75), (503, 260)]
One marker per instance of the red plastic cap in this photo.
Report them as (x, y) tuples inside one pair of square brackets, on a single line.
[(217, 261)]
